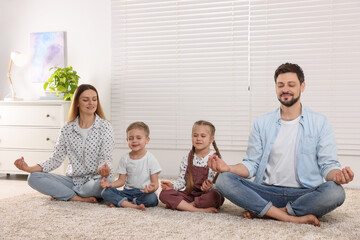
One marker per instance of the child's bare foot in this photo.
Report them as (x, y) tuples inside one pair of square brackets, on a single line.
[(84, 199), (210, 210), (141, 207), (127, 204), (185, 206)]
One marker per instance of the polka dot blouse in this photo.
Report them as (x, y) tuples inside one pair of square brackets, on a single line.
[(84, 159)]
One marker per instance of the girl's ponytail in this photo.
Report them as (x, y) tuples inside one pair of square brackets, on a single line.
[(219, 155)]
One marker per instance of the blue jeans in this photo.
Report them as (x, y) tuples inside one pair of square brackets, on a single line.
[(62, 187), (116, 197), (259, 198)]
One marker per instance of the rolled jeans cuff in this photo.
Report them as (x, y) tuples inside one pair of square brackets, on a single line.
[(266, 208), (121, 201), (289, 209)]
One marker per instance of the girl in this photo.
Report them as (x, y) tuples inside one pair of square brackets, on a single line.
[(87, 140), (195, 176)]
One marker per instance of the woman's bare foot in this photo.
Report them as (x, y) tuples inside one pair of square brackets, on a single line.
[(84, 199), (127, 204), (307, 219)]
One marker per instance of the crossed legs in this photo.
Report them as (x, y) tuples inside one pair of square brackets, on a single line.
[(281, 203)]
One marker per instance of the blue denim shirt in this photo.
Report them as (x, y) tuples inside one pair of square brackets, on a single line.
[(315, 152)]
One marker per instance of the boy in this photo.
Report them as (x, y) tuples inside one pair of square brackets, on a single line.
[(138, 170)]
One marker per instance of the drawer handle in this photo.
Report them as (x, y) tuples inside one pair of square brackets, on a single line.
[(47, 139), (47, 115)]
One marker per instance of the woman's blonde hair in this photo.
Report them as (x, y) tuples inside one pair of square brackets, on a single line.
[(189, 180), (74, 109)]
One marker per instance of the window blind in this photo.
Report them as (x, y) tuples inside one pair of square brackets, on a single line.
[(175, 62)]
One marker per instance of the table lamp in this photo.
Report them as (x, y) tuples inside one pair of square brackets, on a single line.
[(19, 59)]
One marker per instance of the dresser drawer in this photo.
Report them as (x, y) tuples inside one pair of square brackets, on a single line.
[(34, 138), (7, 159), (31, 116)]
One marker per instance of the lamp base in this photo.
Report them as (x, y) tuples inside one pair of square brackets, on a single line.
[(10, 99)]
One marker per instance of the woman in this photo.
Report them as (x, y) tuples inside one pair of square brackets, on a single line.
[(87, 140)]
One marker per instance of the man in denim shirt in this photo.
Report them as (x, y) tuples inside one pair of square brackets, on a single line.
[(290, 151)]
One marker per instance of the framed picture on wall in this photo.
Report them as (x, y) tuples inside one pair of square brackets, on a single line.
[(47, 50)]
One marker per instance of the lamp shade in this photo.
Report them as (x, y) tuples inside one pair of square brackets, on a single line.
[(18, 58)]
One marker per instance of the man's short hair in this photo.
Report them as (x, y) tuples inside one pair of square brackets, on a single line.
[(139, 125), (290, 67)]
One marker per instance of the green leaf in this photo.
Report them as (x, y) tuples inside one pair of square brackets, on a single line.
[(64, 80), (67, 97), (45, 85)]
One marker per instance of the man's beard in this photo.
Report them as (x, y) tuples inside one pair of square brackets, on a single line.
[(292, 102)]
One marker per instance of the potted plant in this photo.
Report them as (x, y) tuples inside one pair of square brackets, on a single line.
[(64, 80)]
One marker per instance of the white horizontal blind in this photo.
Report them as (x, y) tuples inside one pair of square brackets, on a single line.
[(323, 37), (176, 62)]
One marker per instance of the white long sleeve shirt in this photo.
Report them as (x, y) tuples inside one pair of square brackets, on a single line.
[(84, 159)]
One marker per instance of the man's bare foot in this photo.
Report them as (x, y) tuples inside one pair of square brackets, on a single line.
[(282, 215), (84, 199), (250, 215)]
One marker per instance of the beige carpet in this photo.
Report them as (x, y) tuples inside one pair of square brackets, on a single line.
[(35, 216)]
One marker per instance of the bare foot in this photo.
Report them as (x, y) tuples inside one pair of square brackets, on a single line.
[(127, 204), (185, 206), (250, 215), (209, 210), (141, 207), (307, 219), (53, 199), (111, 205), (84, 199), (282, 215)]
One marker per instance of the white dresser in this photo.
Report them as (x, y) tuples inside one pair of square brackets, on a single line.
[(30, 129)]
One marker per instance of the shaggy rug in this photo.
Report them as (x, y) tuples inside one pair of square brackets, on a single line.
[(35, 216)]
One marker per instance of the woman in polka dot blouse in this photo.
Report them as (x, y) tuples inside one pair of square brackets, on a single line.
[(87, 140)]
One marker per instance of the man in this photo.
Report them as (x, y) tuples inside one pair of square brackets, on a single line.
[(290, 151)]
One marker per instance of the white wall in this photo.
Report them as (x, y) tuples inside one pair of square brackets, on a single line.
[(87, 25)]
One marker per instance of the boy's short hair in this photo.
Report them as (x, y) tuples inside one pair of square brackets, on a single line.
[(139, 125)]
